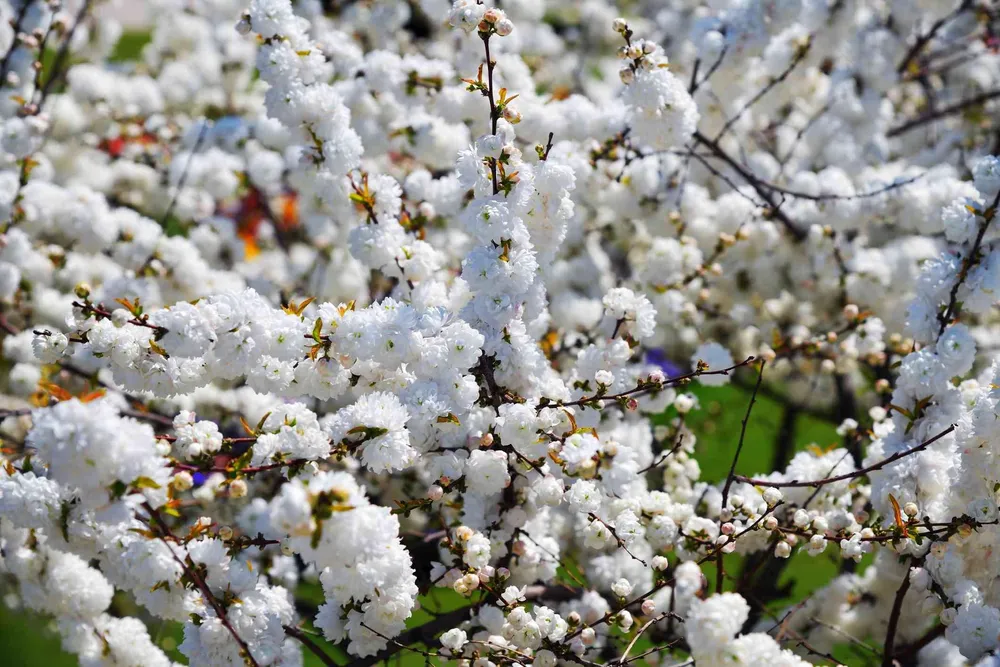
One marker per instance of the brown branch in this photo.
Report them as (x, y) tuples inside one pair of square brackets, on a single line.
[(799, 57), (298, 634), (640, 390), (199, 582), (897, 608), (628, 649), (422, 633), (711, 70), (755, 183), (57, 65), (851, 475), (202, 133), (945, 317), (957, 107), (929, 35), (743, 433), (494, 113)]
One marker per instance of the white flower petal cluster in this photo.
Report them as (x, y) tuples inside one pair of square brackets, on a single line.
[(386, 297), (366, 573)]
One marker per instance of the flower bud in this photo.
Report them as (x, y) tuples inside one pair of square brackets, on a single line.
[(622, 587), (427, 210), (182, 481), (225, 533), (504, 27), (782, 550), (930, 606), (237, 488), (619, 25), (435, 492), (772, 496), (120, 316), (648, 607), (544, 658), (511, 115), (920, 579), (851, 312), (660, 563)]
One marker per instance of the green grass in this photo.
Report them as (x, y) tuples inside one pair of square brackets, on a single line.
[(26, 640), (129, 47)]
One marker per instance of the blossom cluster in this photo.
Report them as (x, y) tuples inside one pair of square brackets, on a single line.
[(314, 314)]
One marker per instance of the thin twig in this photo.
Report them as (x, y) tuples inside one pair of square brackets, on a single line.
[(897, 608), (851, 475), (743, 433), (202, 133), (60, 60), (628, 649), (922, 41), (799, 57), (199, 582), (957, 107), (306, 641), (755, 183)]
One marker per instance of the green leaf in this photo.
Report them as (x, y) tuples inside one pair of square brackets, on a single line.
[(145, 483)]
